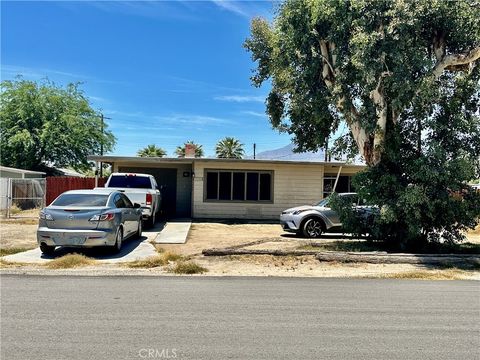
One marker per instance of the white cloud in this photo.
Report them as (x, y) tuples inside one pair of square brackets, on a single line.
[(42, 73), (254, 113), (232, 7), (192, 119), (240, 98)]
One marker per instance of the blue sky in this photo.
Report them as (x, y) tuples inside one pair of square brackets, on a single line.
[(164, 71)]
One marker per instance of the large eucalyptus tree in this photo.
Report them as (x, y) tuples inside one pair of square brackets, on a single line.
[(404, 76)]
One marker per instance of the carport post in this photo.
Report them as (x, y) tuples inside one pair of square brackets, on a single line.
[(336, 180), (96, 173)]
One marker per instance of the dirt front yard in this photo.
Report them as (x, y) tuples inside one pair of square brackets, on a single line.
[(204, 235), (18, 233)]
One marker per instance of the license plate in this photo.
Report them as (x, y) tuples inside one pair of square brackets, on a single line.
[(76, 240)]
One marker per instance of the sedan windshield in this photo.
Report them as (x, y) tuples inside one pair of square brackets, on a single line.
[(81, 200)]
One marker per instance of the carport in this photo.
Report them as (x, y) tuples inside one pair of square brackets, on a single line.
[(174, 176)]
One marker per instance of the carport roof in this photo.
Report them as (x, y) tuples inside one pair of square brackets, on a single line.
[(21, 171), (157, 160)]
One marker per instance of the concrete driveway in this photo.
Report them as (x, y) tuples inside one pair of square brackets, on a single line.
[(132, 249)]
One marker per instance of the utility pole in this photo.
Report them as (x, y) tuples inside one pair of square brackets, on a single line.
[(101, 143), (254, 150)]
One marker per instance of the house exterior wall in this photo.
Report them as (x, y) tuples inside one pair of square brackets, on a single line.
[(293, 185)]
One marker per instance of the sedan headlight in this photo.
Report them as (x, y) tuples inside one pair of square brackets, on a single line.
[(45, 216)]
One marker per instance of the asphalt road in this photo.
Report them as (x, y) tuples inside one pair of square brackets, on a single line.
[(237, 318)]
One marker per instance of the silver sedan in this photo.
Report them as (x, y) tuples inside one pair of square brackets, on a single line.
[(88, 218)]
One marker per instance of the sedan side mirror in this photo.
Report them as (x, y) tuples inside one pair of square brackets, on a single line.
[(136, 206)]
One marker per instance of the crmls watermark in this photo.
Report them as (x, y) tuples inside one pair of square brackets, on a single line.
[(152, 353)]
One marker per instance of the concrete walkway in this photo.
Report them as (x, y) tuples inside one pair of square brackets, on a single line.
[(174, 232)]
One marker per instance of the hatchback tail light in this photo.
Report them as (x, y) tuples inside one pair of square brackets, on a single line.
[(45, 216), (148, 199), (103, 217)]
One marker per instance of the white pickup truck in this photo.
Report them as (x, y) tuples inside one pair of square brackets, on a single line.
[(141, 189)]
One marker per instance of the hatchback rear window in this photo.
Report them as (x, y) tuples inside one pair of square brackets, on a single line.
[(130, 181), (81, 200)]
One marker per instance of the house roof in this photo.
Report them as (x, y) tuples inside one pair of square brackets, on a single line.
[(156, 160), (20, 171)]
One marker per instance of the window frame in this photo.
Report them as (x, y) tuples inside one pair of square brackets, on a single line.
[(232, 172), (116, 198), (334, 177)]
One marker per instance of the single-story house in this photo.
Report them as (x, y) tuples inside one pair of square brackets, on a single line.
[(237, 188)]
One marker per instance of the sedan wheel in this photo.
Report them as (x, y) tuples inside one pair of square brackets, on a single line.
[(118, 242), (46, 249), (312, 228)]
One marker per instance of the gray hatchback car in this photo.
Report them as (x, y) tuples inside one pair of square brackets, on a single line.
[(88, 218), (313, 220)]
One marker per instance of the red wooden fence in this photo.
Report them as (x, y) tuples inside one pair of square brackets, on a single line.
[(58, 184)]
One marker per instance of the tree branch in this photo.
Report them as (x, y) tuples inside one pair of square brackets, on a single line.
[(344, 104), (328, 73), (453, 61), (439, 46)]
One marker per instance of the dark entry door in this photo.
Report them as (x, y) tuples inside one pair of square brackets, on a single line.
[(167, 181)]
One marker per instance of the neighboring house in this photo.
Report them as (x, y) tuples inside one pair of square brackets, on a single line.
[(66, 172), (236, 188)]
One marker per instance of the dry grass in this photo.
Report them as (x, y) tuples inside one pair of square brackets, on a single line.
[(349, 246), (9, 264), (450, 274), (171, 256), (13, 250), (157, 247), (150, 262), (188, 267), (14, 210), (19, 214), (368, 246), (162, 259), (19, 221), (70, 261)]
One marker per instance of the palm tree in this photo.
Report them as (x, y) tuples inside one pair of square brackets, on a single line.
[(180, 151), (229, 148), (151, 151)]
